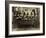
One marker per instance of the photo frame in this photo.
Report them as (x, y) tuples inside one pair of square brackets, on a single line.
[(24, 18)]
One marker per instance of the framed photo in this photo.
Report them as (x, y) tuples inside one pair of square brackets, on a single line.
[(24, 18)]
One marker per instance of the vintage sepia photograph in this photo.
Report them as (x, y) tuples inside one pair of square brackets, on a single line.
[(24, 18)]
